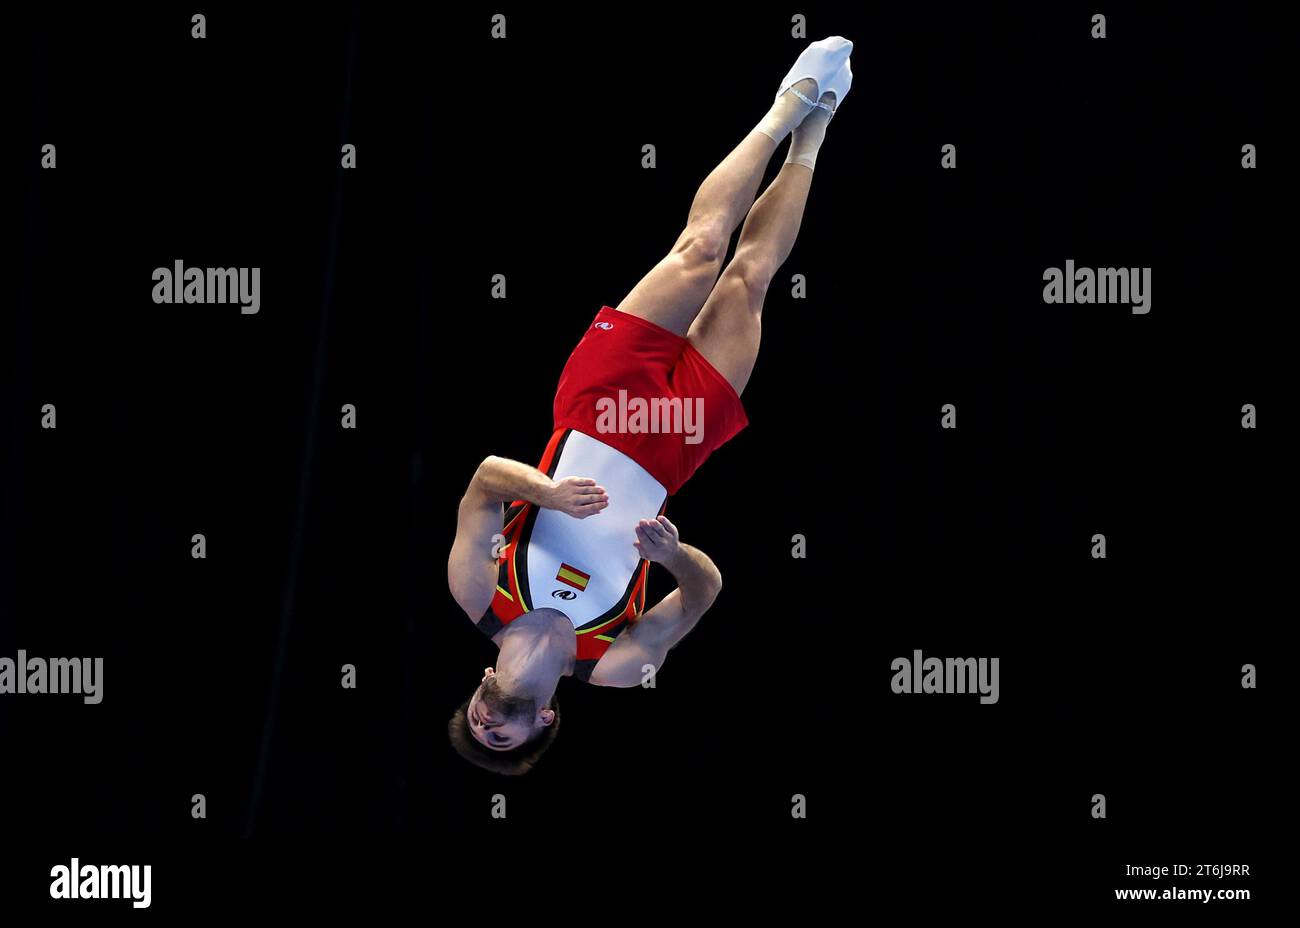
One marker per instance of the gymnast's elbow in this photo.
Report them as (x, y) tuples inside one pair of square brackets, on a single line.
[(712, 587)]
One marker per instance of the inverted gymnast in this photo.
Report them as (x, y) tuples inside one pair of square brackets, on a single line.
[(560, 589)]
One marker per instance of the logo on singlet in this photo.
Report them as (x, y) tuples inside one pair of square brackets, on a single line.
[(578, 579), (564, 594), (604, 325)]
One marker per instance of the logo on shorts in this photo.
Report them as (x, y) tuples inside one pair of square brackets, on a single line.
[(565, 594), (604, 325)]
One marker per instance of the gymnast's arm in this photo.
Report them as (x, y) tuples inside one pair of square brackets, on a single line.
[(471, 569), (650, 638)]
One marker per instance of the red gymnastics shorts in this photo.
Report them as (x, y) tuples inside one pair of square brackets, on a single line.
[(649, 393)]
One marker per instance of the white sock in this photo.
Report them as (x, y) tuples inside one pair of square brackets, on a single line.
[(809, 134), (788, 111)]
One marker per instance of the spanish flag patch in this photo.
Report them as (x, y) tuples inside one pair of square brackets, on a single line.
[(573, 577)]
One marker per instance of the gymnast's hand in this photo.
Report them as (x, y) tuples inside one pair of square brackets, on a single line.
[(578, 496), (656, 540)]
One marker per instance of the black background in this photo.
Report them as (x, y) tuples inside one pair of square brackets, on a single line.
[(523, 157)]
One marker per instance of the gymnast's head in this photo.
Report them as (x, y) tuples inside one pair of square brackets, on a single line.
[(501, 732)]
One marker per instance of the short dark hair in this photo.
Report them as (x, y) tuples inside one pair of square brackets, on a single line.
[(512, 763)]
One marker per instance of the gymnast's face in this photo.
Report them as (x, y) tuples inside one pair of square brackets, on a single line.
[(500, 721)]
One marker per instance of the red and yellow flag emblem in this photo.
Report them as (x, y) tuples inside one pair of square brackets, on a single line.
[(573, 577)]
